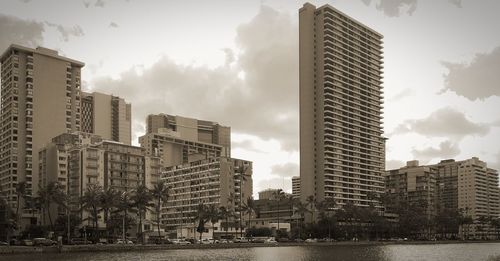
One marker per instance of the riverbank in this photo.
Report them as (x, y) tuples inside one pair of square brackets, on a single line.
[(139, 247)]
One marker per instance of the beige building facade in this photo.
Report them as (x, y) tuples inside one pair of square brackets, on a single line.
[(296, 187), (416, 185), (219, 182), (469, 186), (40, 100), (342, 151), (107, 116)]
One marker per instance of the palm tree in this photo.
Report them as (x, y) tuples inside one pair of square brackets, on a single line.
[(301, 209), (142, 201), (108, 201), (311, 202), (123, 205), (225, 214), (91, 202), (214, 215), (202, 217), (243, 174), (21, 193), (45, 197), (160, 192), (249, 208), (279, 194)]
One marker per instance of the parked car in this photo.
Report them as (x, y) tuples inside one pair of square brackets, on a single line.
[(241, 240), (207, 241), (27, 242), (270, 240), (180, 242), (126, 241), (41, 241), (311, 240), (3, 243), (78, 241), (193, 240)]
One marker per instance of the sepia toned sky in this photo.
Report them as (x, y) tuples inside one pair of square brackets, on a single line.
[(236, 62)]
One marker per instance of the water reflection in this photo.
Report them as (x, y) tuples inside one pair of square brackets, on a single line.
[(442, 252)]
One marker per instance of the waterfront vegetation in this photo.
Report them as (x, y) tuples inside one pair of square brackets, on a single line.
[(122, 211)]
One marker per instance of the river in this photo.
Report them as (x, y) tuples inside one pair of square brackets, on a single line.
[(440, 252)]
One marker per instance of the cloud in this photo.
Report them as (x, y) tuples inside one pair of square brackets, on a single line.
[(394, 8), (99, 3), (445, 122), (248, 145), (446, 150), (477, 80), (457, 3), (286, 170), (66, 32), (113, 25), (403, 94), (263, 103), (19, 31), (496, 164)]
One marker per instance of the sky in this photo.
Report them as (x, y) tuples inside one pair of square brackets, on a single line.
[(236, 63)]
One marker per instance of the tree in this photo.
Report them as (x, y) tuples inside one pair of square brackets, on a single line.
[(45, 197), (202, 216), (91, 201), (249, 208), (225, 214), (160, 193), (108, 200), (243, 174), (279, 195), (142, 201), (311, 202), (301, 209), (326, 212), (214, 215), (124, 205), (21, 193)]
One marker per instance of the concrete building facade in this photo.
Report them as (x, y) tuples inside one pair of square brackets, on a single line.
[(40, 100), (296, 187), (340, 91), (78, 160), (414, 184), (469, 186), (107, 116), (219, 181), (191, 129)]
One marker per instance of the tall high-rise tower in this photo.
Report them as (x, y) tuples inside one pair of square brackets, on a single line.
[(341, 144), (40, 100)]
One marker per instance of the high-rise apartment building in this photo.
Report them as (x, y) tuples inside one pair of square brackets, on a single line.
[(469, 186), (219, 182), (340, 78), (107, 116), (191, 129), (413, 185), (180, 140), (296, 187), (78, 160), (40, 100)]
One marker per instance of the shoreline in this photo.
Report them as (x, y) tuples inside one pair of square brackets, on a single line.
[(14, 250)]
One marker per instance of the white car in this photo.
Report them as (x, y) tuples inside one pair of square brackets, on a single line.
[(270, 241), (207, 241), (180, 242), (126, 241), (311, 240)]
